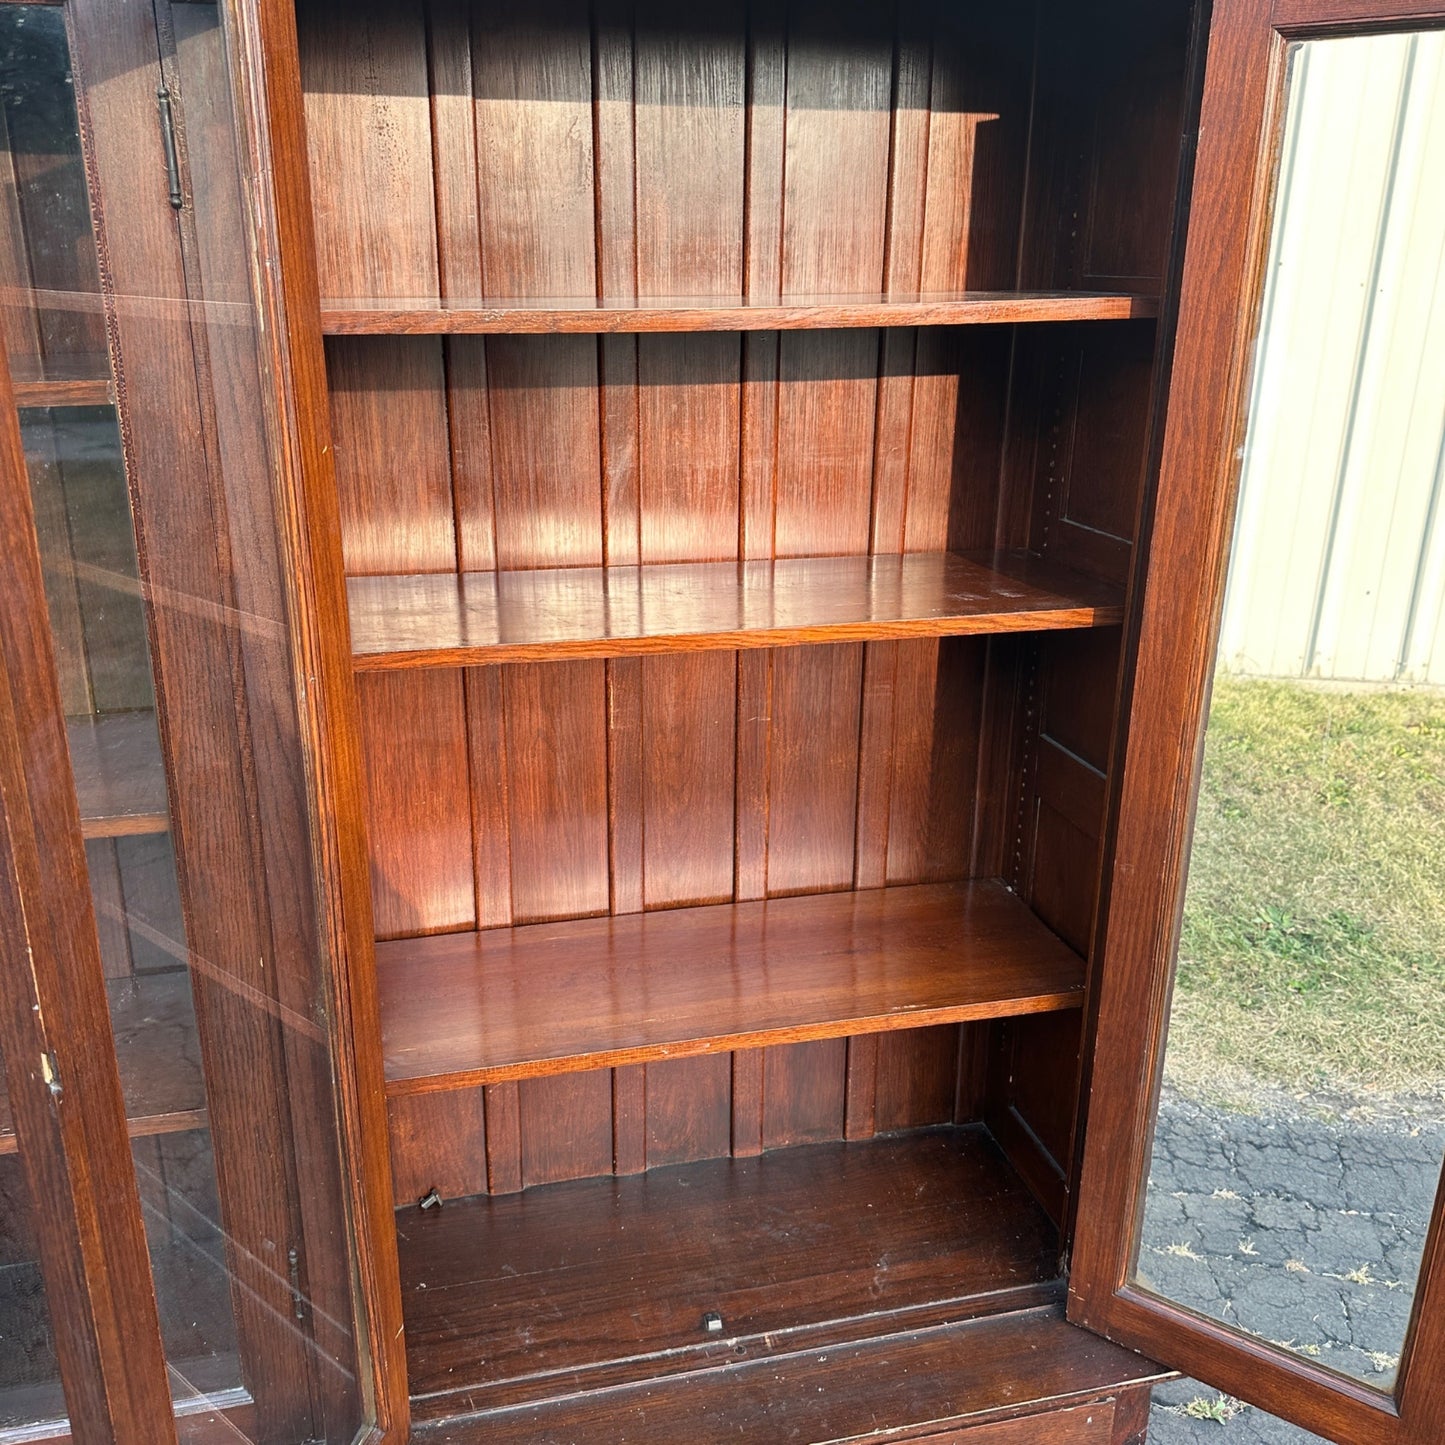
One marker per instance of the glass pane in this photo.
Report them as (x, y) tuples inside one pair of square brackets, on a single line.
[(88, 551), (29, 1375), (151, 474), (1301, 1133)]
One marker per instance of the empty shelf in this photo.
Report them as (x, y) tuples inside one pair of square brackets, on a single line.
[(118, 774), (508, 1003), (519, 315), (473, 618), (155, 1043), (785, 1247)]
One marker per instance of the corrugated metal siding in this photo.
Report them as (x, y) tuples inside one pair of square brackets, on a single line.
[(1339, 559)]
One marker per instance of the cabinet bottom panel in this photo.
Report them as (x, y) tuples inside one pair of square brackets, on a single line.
[(600, 1283)]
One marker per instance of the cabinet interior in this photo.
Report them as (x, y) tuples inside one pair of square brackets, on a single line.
[(734, 921)]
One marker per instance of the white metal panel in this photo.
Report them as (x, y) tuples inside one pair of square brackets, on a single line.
[(1339, 562)]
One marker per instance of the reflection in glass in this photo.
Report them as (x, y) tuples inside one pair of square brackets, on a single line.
[(1301, 1130), (29, 1375), (57, 347)]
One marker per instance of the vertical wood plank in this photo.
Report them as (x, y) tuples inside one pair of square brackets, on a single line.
[(803, 1093), (875, 764), (935, 764), (566, 1127), (418, 802), (438, 1141), (762, 273), (503, 1114), (691, 88), (747, 1090), (491, 813), (688, 712), (630, 770), (917, 1078), (469, 436), (689, 1114), (621, 425), (754, 773), (860, 1104), (369, 141), (614, 121), (546, 450), (393, 464), (813, 773), (557, 759), (689, 424), (631, 1089), (454, 148), (532, 78)]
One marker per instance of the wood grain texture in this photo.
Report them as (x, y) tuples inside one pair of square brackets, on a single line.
[(262, 41), (450, 620), (393, 473), (462, 1009), (418, 803), (532, 79), (781, 1246), (793, 312), (438, 1141), (364, 71)]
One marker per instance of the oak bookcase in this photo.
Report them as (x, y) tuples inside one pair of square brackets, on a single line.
[(664, 562), (741, 420)]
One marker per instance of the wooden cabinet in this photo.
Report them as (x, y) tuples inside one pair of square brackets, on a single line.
[(678, 555)]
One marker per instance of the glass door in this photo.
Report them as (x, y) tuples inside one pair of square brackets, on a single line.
[(162, 669), (1271, 1055)]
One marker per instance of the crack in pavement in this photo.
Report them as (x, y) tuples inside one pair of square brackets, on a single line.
[(1298, 1225)]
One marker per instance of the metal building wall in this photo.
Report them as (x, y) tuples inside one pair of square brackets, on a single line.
[(1339, 563)]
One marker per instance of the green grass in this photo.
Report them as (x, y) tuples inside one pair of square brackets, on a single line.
[(1313, 950)]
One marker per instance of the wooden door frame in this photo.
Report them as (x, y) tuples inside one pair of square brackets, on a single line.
[(1174, 630), (55, 1020), (265, 60)]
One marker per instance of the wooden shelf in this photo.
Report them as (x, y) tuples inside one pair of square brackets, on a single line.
[(786, 1248), (118, 774), (80, 392), (509, 315), (154, 1024), (478, 1008), (476, 618)]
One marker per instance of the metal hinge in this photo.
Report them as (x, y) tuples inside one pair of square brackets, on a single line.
[(168, 142)]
